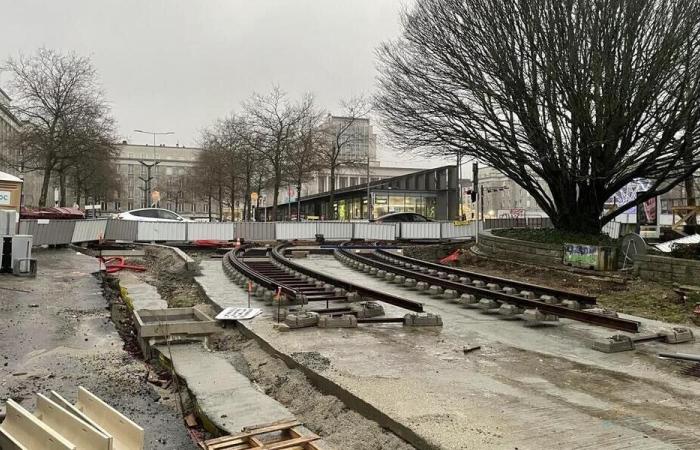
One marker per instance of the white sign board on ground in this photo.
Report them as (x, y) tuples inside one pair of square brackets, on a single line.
[(234, 313)]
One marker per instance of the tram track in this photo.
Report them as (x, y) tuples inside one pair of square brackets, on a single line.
[(472, 289)]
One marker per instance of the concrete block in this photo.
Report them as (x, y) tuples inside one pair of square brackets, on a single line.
[(510, 291), (465, 280), (365, 310), (571, 304), (493, 287), (527, 294), (422, 286), (344, 321), (268, 295), (260, 292), (299, 254), (339, 292), (422, 320), (677, 335), (353, 297), (381, 273), (450, 294), (535, 317), (487, 303), (399, 279), (432, 272), (452, 277), (410, 283), (367, 269), (441, 275), (549, 299), (389, 276), (478, 283), (467, 300), (302, 319), (319, 284), (328, 287), (614, 344), (373, 271), (435, 290), (509, 310)]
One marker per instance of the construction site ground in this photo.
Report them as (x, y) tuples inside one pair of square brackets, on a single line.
[(56, 334), (540, 387), (622, 293)]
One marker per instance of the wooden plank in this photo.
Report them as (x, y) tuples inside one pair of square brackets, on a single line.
[(126, 434), (268, 428), (30, 432), (290, 443), (68, 406), (7, 442), (84, 436)]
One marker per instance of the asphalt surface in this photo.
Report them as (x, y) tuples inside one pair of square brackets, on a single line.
[(56, 334)]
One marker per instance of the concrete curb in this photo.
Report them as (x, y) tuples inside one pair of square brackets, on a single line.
[(190, 264)]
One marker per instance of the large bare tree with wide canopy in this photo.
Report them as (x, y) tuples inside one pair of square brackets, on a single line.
[(572, 99)]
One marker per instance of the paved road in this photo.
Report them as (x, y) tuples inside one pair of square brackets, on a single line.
[(58, 335)]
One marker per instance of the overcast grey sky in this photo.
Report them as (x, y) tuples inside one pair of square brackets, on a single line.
[(176, 65)]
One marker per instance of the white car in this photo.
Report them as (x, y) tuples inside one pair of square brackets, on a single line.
[(152, 215)]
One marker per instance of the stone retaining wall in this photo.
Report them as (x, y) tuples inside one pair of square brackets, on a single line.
[(519, 251), (665, 269)]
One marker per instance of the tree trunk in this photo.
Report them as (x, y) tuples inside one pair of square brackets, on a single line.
[(275, 197), (299, 201), (689, 185), (62, 187), (581, 217), (220, 201), (233, 199), (331, 197), (209, 208), (45, 187)]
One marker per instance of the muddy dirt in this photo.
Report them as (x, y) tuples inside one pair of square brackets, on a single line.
[(168, 273), (66, 339), (323, 414), (617, 292)]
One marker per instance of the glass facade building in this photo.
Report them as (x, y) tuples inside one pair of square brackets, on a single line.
[(432, 193)]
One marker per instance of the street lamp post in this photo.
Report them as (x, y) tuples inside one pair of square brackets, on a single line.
[(147, 180)]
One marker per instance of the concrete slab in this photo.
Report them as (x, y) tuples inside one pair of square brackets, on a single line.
[(228, 398), (142, 294), (521, 378)]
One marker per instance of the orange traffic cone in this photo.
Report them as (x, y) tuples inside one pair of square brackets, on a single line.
[(238, 242)]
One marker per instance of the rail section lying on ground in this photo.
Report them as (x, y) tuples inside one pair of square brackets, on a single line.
[(268, 275), (536, 289), (496, 292)]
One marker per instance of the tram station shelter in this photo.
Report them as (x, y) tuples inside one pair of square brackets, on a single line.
[(433, 193)]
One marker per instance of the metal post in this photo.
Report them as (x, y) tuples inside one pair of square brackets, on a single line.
[(475, 188), (369, 198), (459, 184)]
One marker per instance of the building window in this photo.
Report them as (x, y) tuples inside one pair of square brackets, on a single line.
[(353, 181), (343, 182), (321, 184)]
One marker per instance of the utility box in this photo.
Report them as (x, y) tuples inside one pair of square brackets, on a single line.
[(593, 257), (10, 192), (8, 222), (16, 254)]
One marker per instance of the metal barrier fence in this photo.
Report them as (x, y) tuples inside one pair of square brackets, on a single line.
[(521, 222), (58, 232)]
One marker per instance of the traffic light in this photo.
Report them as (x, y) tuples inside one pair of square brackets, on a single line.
[(472, 194)]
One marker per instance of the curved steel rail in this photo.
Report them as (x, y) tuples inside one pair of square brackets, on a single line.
[(537, 289), (562, 311), (277, 254)]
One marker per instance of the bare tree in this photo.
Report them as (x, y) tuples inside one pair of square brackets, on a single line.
[(571, 99), (342, 133), (303, 157), (63, 110), (273, 120)]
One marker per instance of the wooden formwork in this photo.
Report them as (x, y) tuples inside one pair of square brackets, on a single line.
[(274, 436)]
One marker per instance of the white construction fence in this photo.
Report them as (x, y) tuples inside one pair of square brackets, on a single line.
[(61, 232)]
